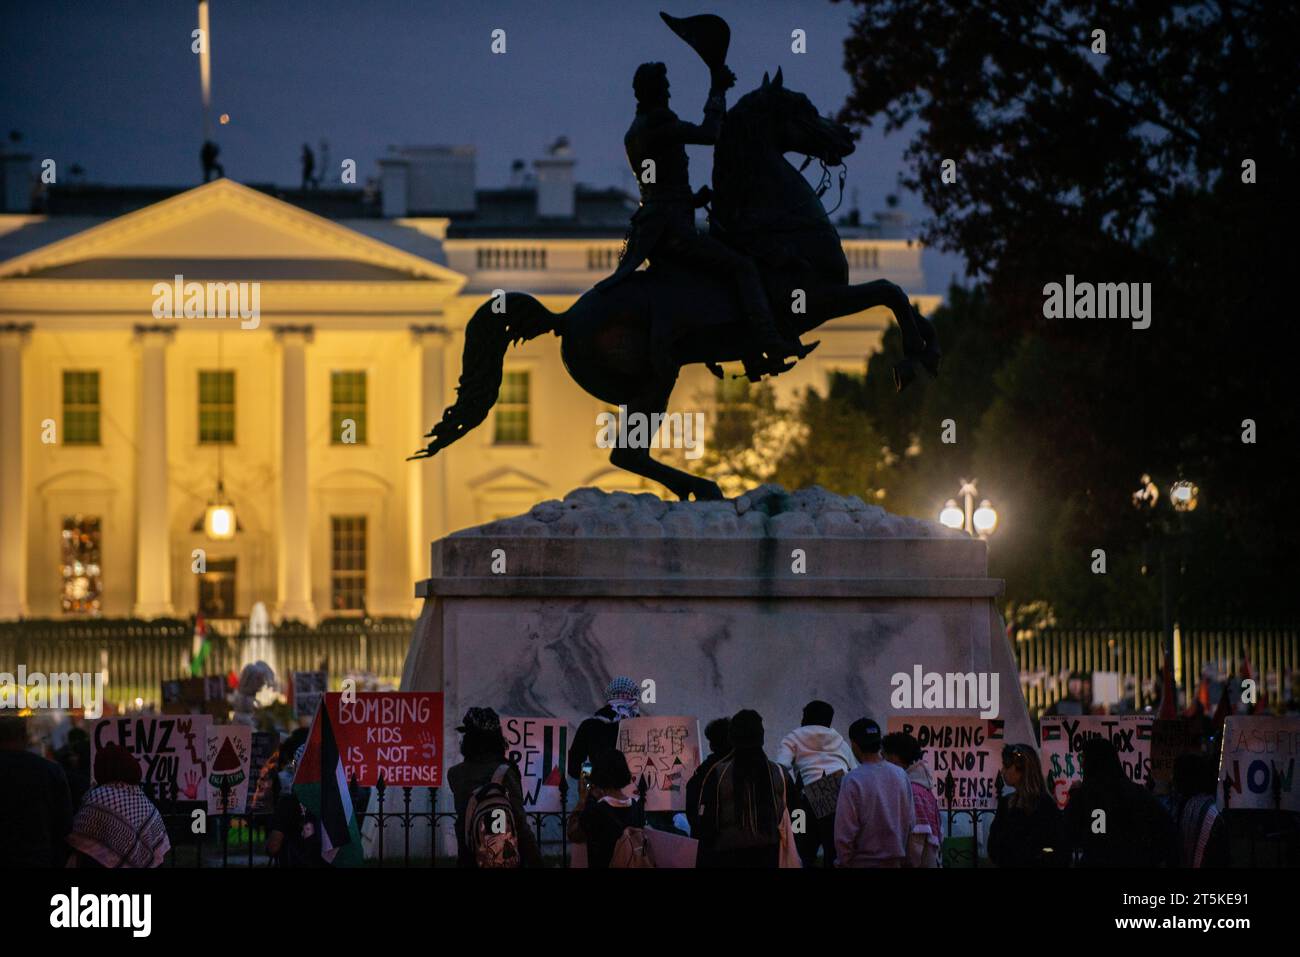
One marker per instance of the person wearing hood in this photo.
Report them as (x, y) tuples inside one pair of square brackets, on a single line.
[(600, 732), (811, 752), (904, 751), (718, 733)]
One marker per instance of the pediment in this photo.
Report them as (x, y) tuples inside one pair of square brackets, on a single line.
[(223, 226)]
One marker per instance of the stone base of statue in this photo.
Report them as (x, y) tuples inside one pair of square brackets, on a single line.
[(767, 601)]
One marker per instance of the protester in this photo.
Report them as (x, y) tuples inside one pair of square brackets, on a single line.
[(1202, 830), (294, 839), (811, 752), (605, 809), (1027, 829), (904, 751), (875, 813), (486, 775), (117, 825), (744, 799), (35, 806), (718, 733), (74, 758), (1113, 821), (600, 731)]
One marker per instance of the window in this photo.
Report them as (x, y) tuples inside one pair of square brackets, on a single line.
[(217, 589), (347, 403), (83, 589), (217, 407), (347, 562), (80, 407), (512, 425)]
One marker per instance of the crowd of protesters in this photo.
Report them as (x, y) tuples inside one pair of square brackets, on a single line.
[(821, 800)]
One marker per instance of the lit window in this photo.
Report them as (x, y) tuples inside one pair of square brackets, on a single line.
[(512, 418), (217, 589), (347, 562), (347, 403), (217, 407), (80, 407), (83, 588)]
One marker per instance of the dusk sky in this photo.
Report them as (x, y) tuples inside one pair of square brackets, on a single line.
[(114, 86)]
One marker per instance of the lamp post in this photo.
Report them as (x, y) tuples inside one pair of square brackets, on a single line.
[(1184, 496), (977, 522)]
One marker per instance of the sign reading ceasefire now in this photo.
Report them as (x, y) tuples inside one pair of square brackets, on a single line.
[(393, 734)]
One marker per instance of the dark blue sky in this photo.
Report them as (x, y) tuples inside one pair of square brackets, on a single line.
[(114, 86)]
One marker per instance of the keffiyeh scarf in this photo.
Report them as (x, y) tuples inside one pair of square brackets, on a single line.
[(118, 826)]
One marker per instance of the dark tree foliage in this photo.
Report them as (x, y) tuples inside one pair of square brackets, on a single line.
[(1125, 166)]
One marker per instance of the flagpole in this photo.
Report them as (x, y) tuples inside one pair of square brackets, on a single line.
[(205, 68)]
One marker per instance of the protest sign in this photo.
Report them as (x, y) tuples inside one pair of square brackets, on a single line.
[(1062, 738), (396, 734), (970, 748), (1170, 739), (1258, 755), (172, 751), (261, 771), (229, 753), (540, 746), (665, 750), (308, 686)]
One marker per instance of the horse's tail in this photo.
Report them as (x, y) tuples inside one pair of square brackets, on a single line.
[(488, 334)]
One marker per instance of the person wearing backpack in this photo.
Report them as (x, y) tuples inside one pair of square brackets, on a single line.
[(744, 801), (605, 811), (491, 828), (818, 758)]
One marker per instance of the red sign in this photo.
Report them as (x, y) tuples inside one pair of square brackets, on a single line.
[(396, 734)]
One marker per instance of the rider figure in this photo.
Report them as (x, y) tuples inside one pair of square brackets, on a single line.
[(665, 222)]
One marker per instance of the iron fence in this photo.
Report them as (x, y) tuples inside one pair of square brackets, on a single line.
[(1046, 659)]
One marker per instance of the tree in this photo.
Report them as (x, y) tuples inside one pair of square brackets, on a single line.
[(1164, 161)]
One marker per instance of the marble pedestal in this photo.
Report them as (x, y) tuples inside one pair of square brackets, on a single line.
[(766, 602)]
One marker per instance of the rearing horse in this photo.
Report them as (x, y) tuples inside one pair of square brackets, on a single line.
[(626, 345)]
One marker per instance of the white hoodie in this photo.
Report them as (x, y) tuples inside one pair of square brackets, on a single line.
[(814, 751)]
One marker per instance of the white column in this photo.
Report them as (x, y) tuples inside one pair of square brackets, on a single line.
[(294, 597), (153, 559), (428, 486), (13, 499)]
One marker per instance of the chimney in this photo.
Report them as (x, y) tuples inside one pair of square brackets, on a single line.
[(394, 175), (555, 181), (16, 182)]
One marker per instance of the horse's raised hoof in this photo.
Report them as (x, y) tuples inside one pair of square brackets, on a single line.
[(714, 368), (904, 374)]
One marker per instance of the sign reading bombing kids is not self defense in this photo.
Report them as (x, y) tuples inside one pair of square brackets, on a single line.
[(970, 749), (393, 734)]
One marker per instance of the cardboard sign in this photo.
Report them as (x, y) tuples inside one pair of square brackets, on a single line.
[(1258, 754), (172, 751), (671, 850), (540, 747), (1062, 738), (970, 748), (229, 754), (396, 734), (308, 686), (1170, 740), (261, 771), (665, 750)]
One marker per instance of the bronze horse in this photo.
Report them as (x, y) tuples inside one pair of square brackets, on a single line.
[(627, 344)]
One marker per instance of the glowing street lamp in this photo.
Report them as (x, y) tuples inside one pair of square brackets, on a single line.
[(219, 517), (977, 522)]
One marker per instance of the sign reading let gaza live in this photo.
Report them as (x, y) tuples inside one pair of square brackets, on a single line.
[(396, 734)]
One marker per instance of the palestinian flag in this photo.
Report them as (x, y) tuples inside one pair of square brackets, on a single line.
[(320, 785), (199, 647)]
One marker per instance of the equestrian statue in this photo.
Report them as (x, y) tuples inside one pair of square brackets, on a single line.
[(769, 269)]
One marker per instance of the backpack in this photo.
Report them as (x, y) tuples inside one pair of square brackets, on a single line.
[(733, 834), (633, 849), (492, 845)]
